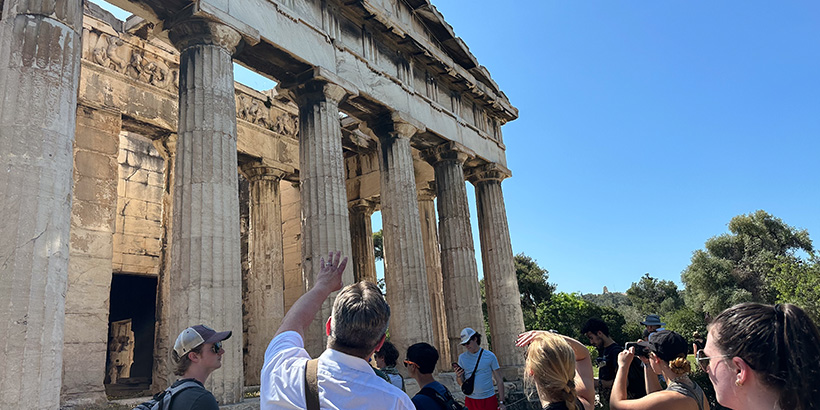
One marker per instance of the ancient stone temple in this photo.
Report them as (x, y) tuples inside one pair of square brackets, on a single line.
[(143, 190)]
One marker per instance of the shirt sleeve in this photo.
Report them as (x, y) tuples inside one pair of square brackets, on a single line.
[(494, 362), (205, 402)]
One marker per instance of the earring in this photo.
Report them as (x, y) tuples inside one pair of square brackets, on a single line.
[(738, 383)]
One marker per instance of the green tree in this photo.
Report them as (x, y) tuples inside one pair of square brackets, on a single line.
[(798, 282), (533, 285), (378, 244), (737, 267), (650, 295), (686, 321)]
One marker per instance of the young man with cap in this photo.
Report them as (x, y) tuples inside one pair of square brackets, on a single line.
[(420, 363), (197, 353), (342, 379), (485, 365)]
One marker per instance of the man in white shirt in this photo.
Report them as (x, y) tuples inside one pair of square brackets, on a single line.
[(356, 329), (484, 395)]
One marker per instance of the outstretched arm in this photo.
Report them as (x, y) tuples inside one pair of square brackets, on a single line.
[(328, 280)]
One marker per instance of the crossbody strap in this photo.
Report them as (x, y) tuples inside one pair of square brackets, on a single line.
[(477, 362), (312, 384)]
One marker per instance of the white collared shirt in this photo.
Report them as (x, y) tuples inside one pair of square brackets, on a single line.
[(345, 381)]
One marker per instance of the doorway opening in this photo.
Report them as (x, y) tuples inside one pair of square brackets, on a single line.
[(132, 316)]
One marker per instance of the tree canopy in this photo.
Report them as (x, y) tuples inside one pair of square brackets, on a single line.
[(740, 266)]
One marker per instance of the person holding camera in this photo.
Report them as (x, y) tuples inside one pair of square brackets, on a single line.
[(664, 354), (597, 331)]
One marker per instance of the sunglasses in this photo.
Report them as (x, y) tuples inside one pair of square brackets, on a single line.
[(407, 363), (703, 360), (217, 347)]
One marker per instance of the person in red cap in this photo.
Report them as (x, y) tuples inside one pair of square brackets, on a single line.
[(197, 353)]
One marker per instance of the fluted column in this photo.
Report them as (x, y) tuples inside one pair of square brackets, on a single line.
[(406, 281), (39, 72), (432, 258), (206, 276), (458, 267), (265, 283), (325, 218), (500, 283), (361, 238), (162, 373)]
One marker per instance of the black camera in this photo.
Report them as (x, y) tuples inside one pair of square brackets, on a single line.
[(640, 348)]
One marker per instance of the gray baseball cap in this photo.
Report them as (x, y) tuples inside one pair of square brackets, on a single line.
[(194, 336)]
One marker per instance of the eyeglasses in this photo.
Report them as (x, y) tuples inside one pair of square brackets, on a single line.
[(407, 363), (703, 360), (217, 347)]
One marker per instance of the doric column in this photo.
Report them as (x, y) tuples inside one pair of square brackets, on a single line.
[(361, 238), (206, 278), (93, 212), (432, 258), (458, 267), (264, 285), (325, 218), (500, 283), (162, 373), (406, 281), (39, 72)]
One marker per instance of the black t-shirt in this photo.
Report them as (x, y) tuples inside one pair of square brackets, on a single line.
[(608, 368), (194, 398)]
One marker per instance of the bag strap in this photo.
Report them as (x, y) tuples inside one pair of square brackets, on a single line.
[(312, 384), (477, 362), (436, 396), (171, 391)]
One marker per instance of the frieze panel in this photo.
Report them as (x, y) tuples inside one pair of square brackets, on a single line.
[(125, 54), (264, 114)]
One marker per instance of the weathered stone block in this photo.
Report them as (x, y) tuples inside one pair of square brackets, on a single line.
[(86, 362), (129, 244), (88, 298), (143, 191), (86, 328), (140, 227), (92, 243), (93, 216), (139, 269), (153, 212), (143, 263), (95, 140), (133, 207), (95, 165), (83, 270), (87, 188)]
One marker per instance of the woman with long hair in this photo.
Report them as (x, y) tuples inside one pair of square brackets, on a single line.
[(763, 357), (664, 354), (561, 370)]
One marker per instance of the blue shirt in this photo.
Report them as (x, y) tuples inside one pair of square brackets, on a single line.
[(423, 402), (484, 375)]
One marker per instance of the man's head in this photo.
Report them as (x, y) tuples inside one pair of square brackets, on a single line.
[(470, 339), (653, 323), (359, 320), (597, 332), (387, 355), (421, 358), (200, 347)]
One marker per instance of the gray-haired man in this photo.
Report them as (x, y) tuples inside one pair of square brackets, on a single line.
[(356, 329)]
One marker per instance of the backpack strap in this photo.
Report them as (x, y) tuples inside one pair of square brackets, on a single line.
[(312, 384), (170, 392), (433, 394), (477, 362)]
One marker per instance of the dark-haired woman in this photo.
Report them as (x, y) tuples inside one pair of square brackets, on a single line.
[(561, 370), (666, 356), (763, 357)]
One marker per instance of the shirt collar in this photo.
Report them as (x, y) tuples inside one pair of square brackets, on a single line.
[(346, 360)]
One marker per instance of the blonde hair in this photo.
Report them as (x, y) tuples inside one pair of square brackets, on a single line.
[(680, 366), (551, 368)]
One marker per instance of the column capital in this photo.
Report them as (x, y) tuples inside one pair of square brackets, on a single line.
[(198, 31), (396, 124), (256, 171), (363, 206), (427, 193), (317, 84), (488, 172), (450, 150)]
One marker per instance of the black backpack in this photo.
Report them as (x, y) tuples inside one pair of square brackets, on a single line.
[(446, 402), (162, 401)]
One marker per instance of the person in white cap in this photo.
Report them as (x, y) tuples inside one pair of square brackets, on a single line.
[(483, 366), (197, 353), (340, 378)]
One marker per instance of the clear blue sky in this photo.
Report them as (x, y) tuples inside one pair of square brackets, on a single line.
[(646, 126)]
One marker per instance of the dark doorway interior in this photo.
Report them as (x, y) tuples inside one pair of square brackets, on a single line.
[(134, 297)]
